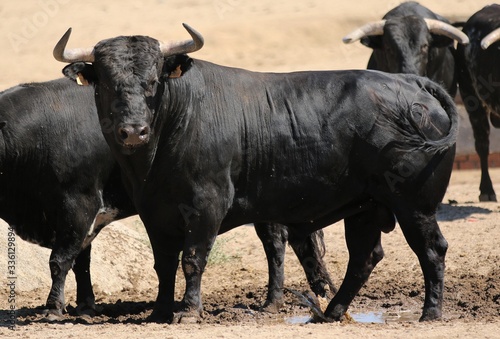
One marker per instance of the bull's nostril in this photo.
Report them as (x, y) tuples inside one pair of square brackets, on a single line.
[(123, 134), (133, 135), (144, 133)]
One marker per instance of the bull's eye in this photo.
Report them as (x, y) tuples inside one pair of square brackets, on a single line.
[(150, 88), (424, 48)]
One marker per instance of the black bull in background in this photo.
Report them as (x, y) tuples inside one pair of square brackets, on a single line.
[(304, 149), (412, 39), (479, 83), (60, 185)]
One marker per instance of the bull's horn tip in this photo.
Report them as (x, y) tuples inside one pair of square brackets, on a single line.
[(346, 40), (68, 31), (186, 26), (484, 45)]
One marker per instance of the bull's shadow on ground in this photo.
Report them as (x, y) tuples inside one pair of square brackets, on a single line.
[(117, 312), (453, 211)]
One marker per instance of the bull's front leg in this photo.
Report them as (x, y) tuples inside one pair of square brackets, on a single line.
[(201, 229), (480, 124), (194, 260), (481, 129), (166, 263)]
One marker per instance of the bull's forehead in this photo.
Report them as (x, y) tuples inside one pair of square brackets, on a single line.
[(407, 29), (127, 59)]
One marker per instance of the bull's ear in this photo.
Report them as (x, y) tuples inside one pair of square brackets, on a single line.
[(81, 73), (373, 41), (176, 66), (441, 41)]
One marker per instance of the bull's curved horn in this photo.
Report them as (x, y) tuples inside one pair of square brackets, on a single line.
[(442, 28), (371, 28), (71, 55), (490, 38), (183, 47)]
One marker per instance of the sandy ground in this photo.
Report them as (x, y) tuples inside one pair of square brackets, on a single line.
[(262, 36)]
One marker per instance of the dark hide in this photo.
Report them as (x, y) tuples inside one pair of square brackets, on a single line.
[(479, 84), (303, 149), (407, 46), (59, 185), (57, 174)]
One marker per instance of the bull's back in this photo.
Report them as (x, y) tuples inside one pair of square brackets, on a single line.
[(326, 133), (51, 147)]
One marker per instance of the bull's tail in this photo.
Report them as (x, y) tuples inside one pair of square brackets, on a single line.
[(419, 122), (447, 103), (311, 250)]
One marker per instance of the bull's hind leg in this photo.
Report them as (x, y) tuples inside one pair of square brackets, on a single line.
[(425, 239), (273, 237), (362, 235), (85, 299), (61, 260), (71, 230)]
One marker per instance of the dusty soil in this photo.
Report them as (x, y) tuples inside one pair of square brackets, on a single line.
[(258, 35), (234, 283)]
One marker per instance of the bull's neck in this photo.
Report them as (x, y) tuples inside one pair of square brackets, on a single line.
[(136, 165), (174, 115)]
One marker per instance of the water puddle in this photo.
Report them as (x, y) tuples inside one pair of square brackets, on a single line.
[(369, 317), (298, 319)]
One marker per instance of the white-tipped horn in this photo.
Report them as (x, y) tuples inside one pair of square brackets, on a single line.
[(71, 55), (442, 28), (490, 38), (183, 47), (371, 28)]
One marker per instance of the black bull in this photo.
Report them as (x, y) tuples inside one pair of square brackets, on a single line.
[(59, 186), (305, 149), (414, 40), (479, 84)]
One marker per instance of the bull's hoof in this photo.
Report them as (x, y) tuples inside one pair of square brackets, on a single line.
[(431, 314), (338, 312), (53, 315), (88, 309), (272, 306), (188, 317), (488, 197), (160, 317)]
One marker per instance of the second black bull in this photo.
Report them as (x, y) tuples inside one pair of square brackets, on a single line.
[(304, 149)]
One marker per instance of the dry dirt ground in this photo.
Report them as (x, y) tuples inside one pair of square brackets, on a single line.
[(263, 36)]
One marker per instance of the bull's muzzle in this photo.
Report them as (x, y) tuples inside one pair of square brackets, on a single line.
[(133, 135)]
